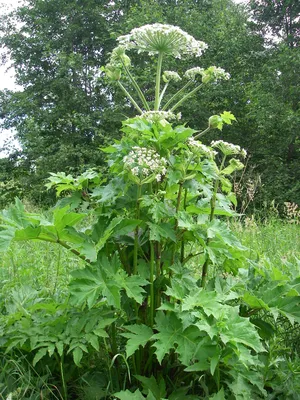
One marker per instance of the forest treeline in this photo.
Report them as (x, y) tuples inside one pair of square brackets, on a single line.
[(64, 111)]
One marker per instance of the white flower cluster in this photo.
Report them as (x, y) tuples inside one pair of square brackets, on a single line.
[(160, 38), (171, 76), (143, 162), (193, 72), (228, 148), (156, 116), (211, 74), (206, 151), (218, 73)]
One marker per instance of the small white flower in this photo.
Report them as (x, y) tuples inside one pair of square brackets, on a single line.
[(228, 148), (201, 148), (214, 74), (156, 116), (145, 162), (171, 76), (193, 72)]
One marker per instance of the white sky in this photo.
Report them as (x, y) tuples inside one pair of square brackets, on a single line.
[(7, 79)]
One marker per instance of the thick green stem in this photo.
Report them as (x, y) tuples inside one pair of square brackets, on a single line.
[(65, 390), (114, 350), (66, 246), (137, 88), (176, 222), (130, 97), (157, 84), (211, 217), (180, 91), (182, 241), (163, 93), (136, 232), (152, 263), (184, 98)]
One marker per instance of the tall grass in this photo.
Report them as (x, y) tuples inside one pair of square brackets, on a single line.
[(275, 240)]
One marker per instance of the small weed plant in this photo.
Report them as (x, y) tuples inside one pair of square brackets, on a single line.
[(166, 305)]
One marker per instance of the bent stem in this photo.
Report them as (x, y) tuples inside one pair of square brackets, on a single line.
[(202, 133), (184, 98), (157, 83)]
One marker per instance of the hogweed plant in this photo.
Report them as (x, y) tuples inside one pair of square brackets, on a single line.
[(167, 292)]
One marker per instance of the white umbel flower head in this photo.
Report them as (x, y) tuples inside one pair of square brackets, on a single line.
[(156, 116), (193, 72), (228, 148), (171, 76), (211, 74), (201, 148), (143, 162), (160, 38), (214, 74)]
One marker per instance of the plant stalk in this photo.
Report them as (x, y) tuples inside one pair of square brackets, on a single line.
[(184, 98), (130, 97), (136, 231), (137, 88), (211, 217), (202, 133), (151, 283), (176, 95), (157, 83)]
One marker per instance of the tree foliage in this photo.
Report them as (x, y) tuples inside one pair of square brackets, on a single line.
[(65, 109)]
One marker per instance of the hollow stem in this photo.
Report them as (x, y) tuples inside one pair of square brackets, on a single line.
[(151, 283), (184, 98), (162, 93), (182, 241), (157, 82), (180, 91), (137, 88), (211, 217), (130, 97), (136, 232)]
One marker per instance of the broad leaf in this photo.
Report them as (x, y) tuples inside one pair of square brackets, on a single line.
[(138, 335)]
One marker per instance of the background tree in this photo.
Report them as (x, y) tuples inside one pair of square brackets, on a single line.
[(65, 112)]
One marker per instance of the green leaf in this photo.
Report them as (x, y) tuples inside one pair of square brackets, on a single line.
[(39, 355), (236, 329), (126, 226), (163, 230), (171, 335), (127, 395), (209, 301), (6, 236), (181, 394), (77, 356), (218, 396), (227, 117), (108, 232), (139, 336), (132, 285), (150, 384)]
